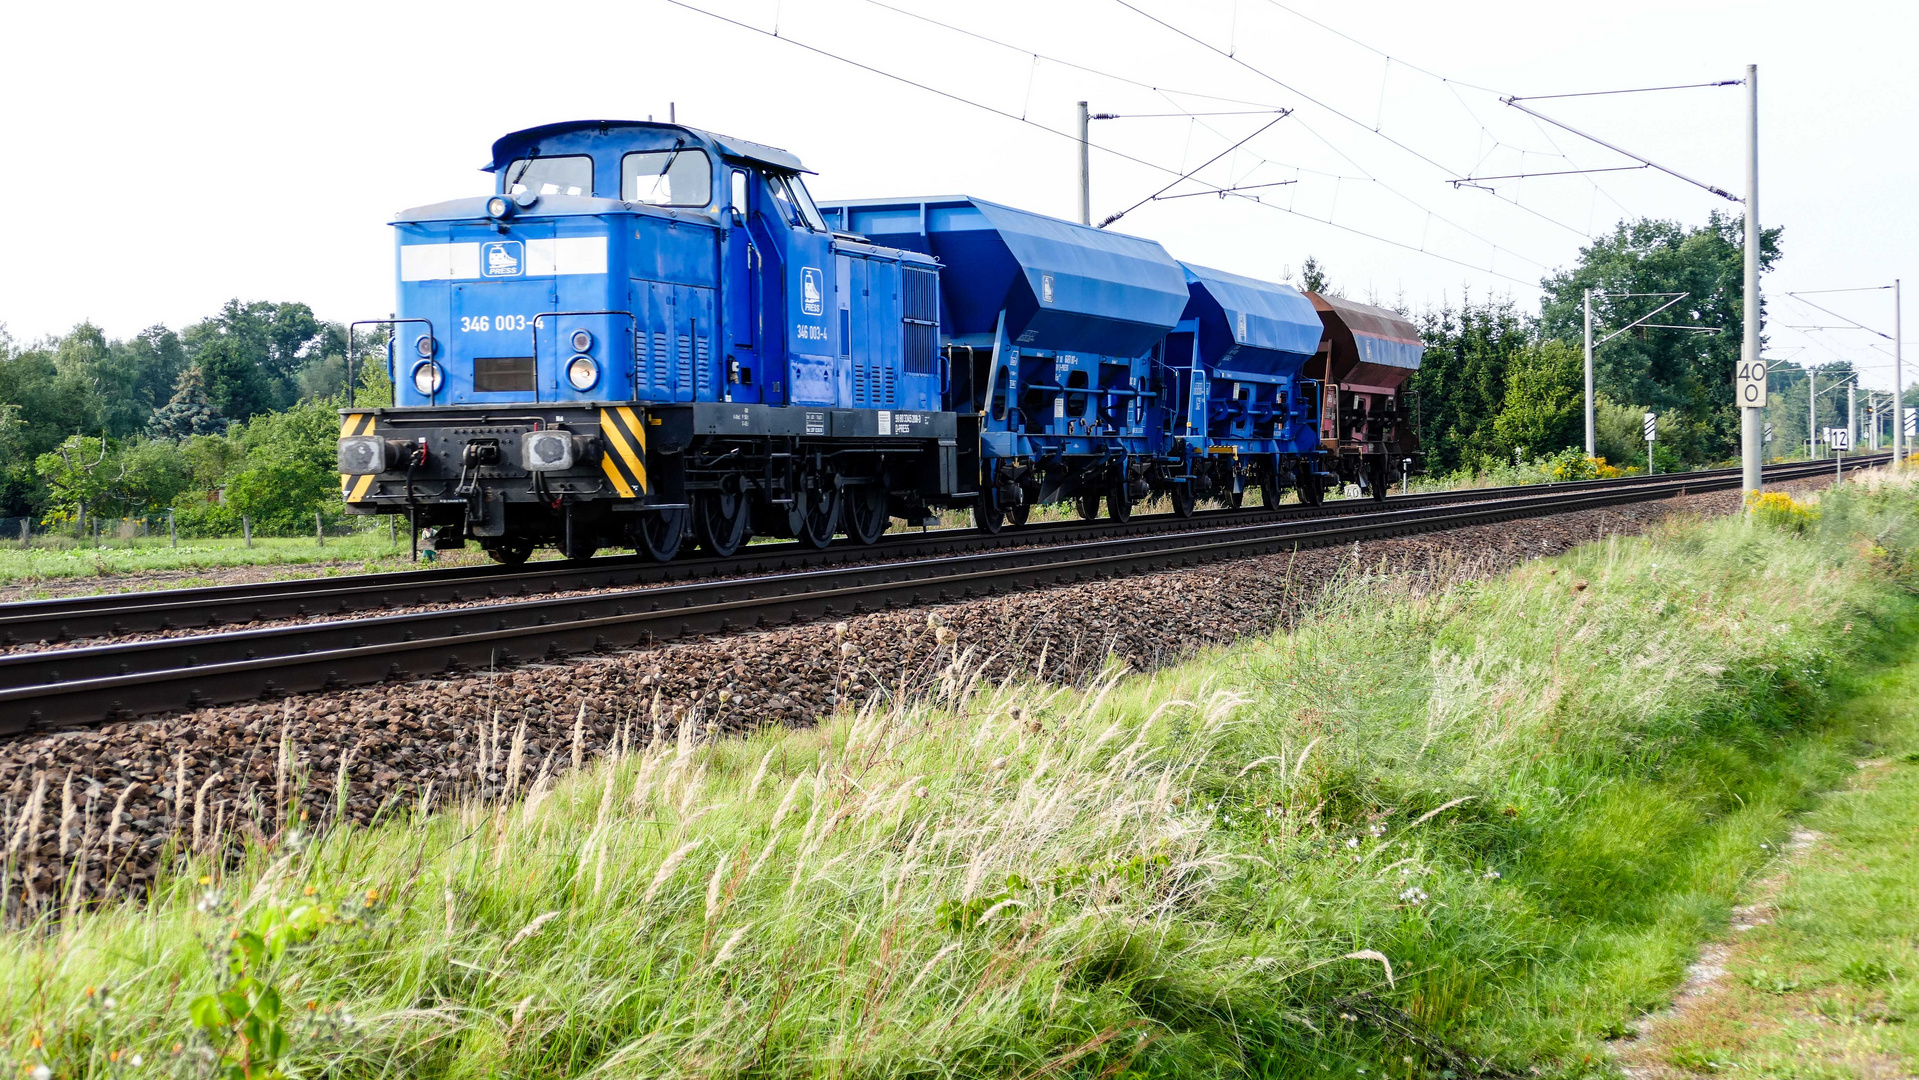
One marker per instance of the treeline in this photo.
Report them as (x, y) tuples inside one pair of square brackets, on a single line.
[(233, 416), (1495, 383)]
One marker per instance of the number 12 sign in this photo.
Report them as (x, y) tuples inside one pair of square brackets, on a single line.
[(1751, 384)]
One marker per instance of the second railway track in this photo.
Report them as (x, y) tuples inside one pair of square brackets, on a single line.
[(76, 618), (79, 686)]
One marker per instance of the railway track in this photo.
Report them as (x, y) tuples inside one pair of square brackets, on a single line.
[(66, 619), (86, 685)]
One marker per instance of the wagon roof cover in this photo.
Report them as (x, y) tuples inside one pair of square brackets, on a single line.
[(1260, 314)]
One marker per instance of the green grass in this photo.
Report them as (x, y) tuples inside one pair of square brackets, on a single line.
[(1422, 834), (1830, 986), (63, 560)]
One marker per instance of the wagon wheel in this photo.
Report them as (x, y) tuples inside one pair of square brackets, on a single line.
[(721, 518), (1016, 515), (1376, 473), (1119, 503), (1182, 499), (866, 517), (987, 514), (511, 552), (1311, 491), (1233, 500), (1088, 506), (816, 510), (661, 533)]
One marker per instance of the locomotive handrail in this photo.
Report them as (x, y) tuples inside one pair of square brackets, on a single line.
[(376, 322)]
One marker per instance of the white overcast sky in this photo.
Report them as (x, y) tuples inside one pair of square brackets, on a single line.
[(165, 157)]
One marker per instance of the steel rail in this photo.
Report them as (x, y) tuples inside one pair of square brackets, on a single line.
[(111, 614), (70, 687)]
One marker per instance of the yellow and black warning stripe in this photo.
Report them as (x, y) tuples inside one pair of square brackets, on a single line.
[(625, 459), (352, 488)]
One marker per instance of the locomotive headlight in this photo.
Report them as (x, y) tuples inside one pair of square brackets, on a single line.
[(582, 341), (427, 377), (425, 346), (582, 372), (500, 206), (546, 451)]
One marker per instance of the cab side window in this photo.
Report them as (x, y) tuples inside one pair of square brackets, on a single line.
[(795, 205), (739, 192)]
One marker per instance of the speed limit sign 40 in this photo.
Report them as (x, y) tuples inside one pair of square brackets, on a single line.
[(1751, 384)]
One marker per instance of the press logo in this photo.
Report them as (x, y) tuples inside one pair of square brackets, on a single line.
[(502, 258), (812, 291)]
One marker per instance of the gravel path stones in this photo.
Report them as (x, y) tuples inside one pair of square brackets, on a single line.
[(103, 805)]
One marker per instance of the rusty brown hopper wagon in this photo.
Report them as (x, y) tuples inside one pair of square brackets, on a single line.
[(1366, 428)]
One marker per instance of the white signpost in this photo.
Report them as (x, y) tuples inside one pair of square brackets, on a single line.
[(1752, 384), (1838, 438), (1652, 429), (1768, 432), (1911, 428)]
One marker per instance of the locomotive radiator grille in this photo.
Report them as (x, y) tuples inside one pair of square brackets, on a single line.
[(354, 489), (625, 459)]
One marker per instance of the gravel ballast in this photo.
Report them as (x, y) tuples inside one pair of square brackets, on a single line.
[(105, 805)]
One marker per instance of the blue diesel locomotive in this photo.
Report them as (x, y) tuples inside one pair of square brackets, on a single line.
[(650, 333)]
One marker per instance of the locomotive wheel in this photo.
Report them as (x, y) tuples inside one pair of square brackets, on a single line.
[(1088, 507), (1016, 516), (1376, 474), (816, 514), (513, 552), (721, 518), (987, 514), (661, 533), (866, 517), (1119, 504), (1182, 498)]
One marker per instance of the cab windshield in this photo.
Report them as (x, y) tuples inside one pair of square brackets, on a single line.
[(568, 175), (682, 176)]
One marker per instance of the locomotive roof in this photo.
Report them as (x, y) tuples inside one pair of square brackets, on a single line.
[(513, 145)]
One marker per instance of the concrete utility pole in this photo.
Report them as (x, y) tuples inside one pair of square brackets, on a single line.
[(1749, 418), (1589, 373), (1812, 414), (1085, 169), (1852, 415), (1898, 383)]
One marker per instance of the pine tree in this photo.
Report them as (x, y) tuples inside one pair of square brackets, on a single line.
[(189, 412)]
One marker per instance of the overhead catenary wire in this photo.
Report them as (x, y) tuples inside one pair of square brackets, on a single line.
[(1452, 85), (1189, 173), (1022, 50), (1282, 84), (950, 96), (1636, 90)]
